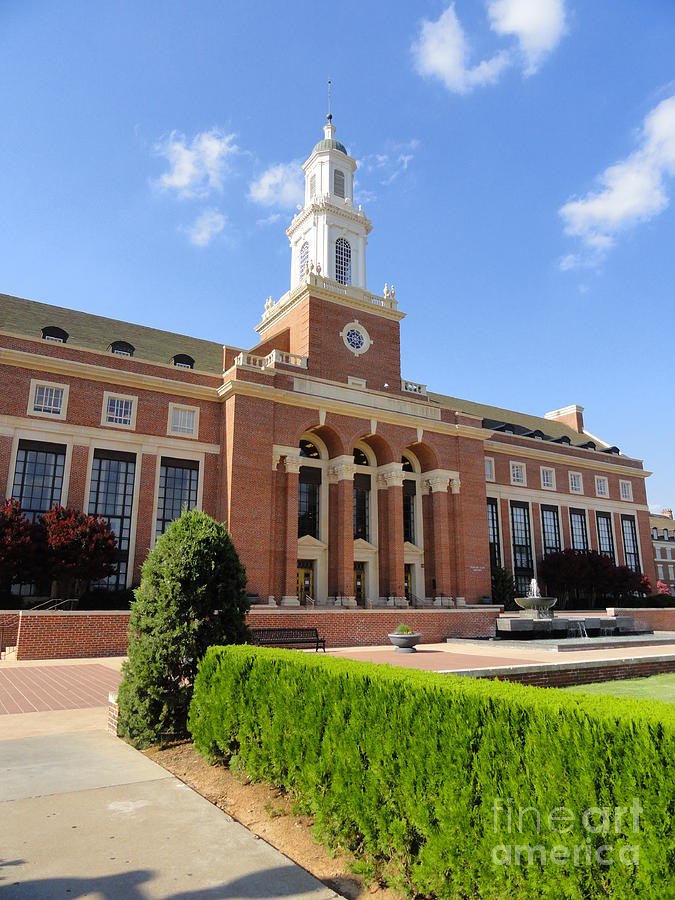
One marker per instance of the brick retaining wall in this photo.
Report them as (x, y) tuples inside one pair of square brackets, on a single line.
[(70, 635), (653, 617), (9, 626), (60, 635), (568, 674), (370, 627)]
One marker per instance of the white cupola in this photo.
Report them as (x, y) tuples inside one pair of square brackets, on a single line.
[(328, 236)]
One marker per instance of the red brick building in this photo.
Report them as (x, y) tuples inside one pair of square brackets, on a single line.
[(340, 480)]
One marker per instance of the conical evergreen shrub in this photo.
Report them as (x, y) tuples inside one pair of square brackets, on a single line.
[(192, 595)]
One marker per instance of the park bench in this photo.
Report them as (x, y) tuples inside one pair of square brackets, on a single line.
[(287, 637)]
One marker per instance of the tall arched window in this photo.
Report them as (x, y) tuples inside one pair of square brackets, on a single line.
[(339, 183), (304, 258), (343, 261)]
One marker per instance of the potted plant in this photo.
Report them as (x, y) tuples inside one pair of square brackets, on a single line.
[(404, 638)]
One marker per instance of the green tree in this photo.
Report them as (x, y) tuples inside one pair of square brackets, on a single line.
[(503, 588), (192, 595)]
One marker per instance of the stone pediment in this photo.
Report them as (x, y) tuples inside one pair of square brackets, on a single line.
[(364, 546), (412, 548), (309, 542)]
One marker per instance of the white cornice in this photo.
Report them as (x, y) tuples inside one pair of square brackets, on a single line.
[(603, 464), (234, 387), (324, 205), (38, 362), (326, 289)]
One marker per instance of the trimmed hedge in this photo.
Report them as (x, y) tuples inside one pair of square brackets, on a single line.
[(405, 767)]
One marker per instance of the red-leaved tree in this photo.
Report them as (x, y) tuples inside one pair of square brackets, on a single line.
[(662, 587), (16, 545), (79, 549)]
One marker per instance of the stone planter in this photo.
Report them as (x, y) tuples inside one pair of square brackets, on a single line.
[(405, 643)]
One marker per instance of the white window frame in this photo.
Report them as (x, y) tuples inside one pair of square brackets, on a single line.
[(35, 383), (169, 425), (547, 487), (581, 482), (490, 468), (659, 572), (523, 466), (671, 573), (113, 395), (629, 493), (601, 479)]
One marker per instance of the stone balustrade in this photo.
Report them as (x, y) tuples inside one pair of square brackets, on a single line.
[(271, 360), (412, 387)]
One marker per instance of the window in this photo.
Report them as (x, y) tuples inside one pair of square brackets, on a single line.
[(576, 483), (409, 492), (601, 486), (550, 529), (605, 537), (111, 495), (671, 570), (659, 571), (183, 361), (339, 183), (489, 468), (665, 534), (38, 477), (178, 481), (343, 261), (183, 420), (48, 399), (630, 544), (122, 348), (54, 334), (578, 529), (518, 473), (304, 258), (309, 488), (119, 410), (655, 534), (312, 186), (626, 489), (361, 505), (548, 478), (360, 458), (309, 450), (493, 533), (523, 565)]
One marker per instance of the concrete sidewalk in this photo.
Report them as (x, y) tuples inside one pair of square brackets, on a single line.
[(82, 814)]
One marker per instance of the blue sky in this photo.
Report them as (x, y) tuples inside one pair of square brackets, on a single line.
[(517, 158)]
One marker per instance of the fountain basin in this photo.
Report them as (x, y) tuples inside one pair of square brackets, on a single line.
[(539, 604)]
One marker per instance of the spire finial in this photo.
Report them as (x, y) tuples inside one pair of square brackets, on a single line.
[(330, 114)]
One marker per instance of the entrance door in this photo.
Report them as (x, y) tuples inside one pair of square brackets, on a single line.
[(305, 580), (408, 582), (360, 583)]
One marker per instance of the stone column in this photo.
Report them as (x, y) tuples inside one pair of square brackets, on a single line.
[(392, 572), (438, 485), (290, 595), (341, 534), (458, 525)]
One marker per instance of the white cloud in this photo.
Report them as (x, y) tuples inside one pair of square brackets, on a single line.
[(442, 49), (385, 167), (537, 24), (632, 190), (279, 185), (207, 226), (196, 167), (272, 219)]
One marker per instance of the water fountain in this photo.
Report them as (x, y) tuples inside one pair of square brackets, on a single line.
[(533, 605)]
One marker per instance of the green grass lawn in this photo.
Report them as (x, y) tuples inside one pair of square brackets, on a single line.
[(656, 687)]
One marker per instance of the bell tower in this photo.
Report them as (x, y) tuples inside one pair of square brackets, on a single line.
[(329, 233)]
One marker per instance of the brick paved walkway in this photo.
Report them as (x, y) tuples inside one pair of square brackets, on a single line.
[(43, 688)]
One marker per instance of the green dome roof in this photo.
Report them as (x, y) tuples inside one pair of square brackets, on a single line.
[(330, 144)]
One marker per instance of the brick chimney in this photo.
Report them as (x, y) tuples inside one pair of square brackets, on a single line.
[(570, 415)]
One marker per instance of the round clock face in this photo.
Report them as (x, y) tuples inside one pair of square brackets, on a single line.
[(355, 339)]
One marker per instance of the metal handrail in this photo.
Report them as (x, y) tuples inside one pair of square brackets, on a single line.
[(48, 605)]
